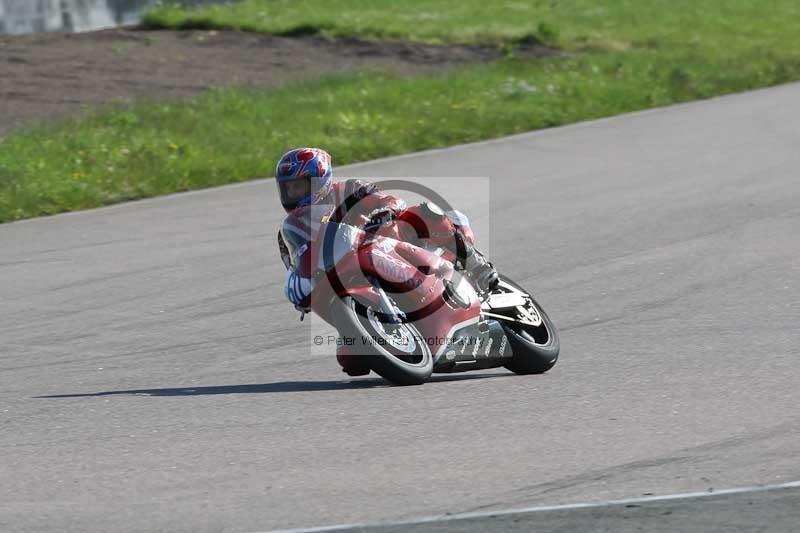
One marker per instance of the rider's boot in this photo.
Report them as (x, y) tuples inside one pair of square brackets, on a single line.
[(352, 364), (480, 270)]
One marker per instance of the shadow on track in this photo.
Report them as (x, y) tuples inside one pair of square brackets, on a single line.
[(262, 388)]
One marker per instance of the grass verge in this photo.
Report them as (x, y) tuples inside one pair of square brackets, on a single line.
[(233, 135), (712, 25)]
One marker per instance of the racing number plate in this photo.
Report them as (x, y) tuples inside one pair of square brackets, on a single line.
[(507, 299)]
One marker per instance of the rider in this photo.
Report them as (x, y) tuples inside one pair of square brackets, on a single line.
[(304, 178)]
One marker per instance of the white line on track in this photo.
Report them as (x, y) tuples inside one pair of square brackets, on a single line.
[(543, 508)]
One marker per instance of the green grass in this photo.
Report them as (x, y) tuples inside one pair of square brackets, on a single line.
[(574, 24), (650, 57)]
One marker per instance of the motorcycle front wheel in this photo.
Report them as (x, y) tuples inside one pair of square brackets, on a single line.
[(395, 351), (535, 349)]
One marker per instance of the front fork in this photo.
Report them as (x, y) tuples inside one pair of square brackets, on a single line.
[(389, 313)]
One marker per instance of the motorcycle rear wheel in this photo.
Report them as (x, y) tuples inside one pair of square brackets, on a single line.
[(396, 352), (535, 349)]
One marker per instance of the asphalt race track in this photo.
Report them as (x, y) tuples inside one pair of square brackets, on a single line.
[(153, 378)]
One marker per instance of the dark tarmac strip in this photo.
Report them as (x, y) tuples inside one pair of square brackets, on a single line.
[(774, 510)]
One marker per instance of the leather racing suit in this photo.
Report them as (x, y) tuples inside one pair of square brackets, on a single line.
[(442, 229)]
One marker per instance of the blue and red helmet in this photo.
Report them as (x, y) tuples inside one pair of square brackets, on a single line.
[(303, 176)]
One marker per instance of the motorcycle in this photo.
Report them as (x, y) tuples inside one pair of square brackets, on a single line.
[(411, 312)]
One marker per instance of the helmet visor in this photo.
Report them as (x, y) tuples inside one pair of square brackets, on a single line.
[(294, 191)]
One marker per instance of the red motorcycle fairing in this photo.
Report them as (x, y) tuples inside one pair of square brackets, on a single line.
[(413, 277)]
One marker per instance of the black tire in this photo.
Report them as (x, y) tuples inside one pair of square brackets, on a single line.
[(535, 349), (401, 367)]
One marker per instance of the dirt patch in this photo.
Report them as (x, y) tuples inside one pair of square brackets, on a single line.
[(53, 75)]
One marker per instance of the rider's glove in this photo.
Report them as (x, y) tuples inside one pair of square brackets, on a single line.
[(380, 217), (298, 290)]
